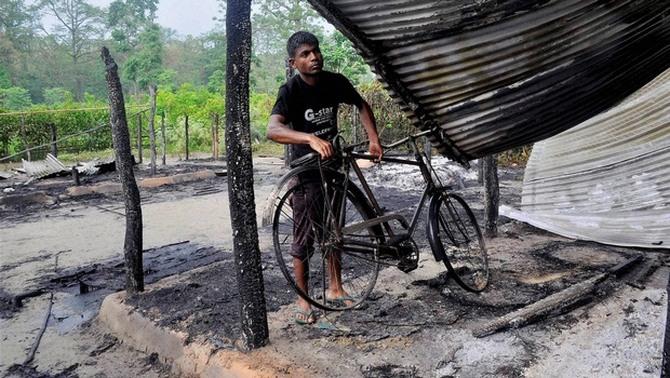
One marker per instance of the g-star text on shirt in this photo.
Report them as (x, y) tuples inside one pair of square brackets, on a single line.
[(322, 116)]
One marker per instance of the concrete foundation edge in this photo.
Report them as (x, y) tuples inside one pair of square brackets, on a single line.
[(194, 359)]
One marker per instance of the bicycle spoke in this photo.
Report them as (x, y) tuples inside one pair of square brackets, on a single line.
[(324, 215)]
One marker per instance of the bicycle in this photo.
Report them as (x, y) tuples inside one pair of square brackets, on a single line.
[(347, 229)]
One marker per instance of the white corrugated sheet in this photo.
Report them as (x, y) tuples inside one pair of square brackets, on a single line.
[(44, 168), (607, 179)]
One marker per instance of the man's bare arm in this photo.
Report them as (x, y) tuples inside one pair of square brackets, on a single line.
[(280, 133), (370, 125)]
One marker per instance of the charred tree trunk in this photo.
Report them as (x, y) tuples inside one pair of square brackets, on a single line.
[(164, 141), (491, 196), (132, 247), (240, 177), (139, 138), (54, 138), (152, 130), (186, 134)]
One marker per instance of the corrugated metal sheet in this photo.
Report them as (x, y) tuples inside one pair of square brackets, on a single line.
[(43, 168), (498, 74), (607, 179)]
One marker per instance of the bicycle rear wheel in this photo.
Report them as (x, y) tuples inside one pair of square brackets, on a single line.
[(308, 223), (455, 236)]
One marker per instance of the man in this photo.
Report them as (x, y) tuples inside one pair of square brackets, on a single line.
[(309, 102)]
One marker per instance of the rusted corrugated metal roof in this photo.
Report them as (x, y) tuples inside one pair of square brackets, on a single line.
[(498, 74), (44, 168), (607, 179)]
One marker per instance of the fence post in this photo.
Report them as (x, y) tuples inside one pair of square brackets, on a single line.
[(186, 134), (24, 138), (163, 134), (139, 137), (491, 195), (54, 138), (288, 149), (152, 130), (427, 147)]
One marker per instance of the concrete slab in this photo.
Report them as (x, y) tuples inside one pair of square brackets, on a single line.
[(620, 334), (197, 358)]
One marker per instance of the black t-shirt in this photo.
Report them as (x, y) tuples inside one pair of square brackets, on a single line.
[(313, 109)]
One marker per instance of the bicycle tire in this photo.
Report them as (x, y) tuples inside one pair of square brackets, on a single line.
[(358, 270), (457, 240)]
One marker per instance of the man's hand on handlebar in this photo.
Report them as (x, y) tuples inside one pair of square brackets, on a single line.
[(375, 150), (323, 147)]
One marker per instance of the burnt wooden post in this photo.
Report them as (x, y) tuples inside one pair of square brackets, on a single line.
[(480, 171), (152, 130), (24, 138), (665, 367), (217, 124), (288, 150), (491, 196), (75, 176), (139, 137), (215, 137), (240, 177), (54, 138), (132, 247), (427, 148), (164, 141), (186, 134)]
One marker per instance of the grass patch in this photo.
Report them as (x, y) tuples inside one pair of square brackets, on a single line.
[(268, 149)]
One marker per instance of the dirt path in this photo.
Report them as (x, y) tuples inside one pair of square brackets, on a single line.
[(415, 324), (87, 233)]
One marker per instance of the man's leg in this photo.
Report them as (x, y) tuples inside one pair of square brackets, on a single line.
[(303, 241), (301, 271), (335, 287)]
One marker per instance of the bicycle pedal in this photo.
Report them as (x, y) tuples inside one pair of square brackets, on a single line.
[(407, 266)]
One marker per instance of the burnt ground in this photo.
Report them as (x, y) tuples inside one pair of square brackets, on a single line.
[(200, 297)]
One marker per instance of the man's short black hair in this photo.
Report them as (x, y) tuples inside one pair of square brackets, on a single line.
[(300, 38)]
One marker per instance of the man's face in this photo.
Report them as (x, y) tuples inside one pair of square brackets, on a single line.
[(307, 60)]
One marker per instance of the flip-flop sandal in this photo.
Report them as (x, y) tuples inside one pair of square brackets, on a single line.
[(342, 301), (302, 317)]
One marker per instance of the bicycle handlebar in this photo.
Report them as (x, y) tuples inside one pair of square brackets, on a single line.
[(313, 156)]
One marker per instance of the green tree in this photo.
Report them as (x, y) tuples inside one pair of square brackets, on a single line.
[(5, 81), (14, 98), (145, 65), (127, 19), (216, 82), (57, 96), (341, 56), (17, 22), (79, 27)]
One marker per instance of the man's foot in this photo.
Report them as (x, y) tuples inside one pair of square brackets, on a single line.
[(340, 297), (304, 317), (303, 314)]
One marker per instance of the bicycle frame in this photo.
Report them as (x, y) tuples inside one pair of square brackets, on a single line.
[(431, 188)]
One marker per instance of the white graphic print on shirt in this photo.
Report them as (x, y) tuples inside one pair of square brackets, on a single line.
[(318, 118)]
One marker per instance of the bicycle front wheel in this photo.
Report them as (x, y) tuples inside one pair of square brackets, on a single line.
[(455, 236), (314, 250)]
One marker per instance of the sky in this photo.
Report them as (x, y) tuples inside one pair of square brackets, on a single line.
[(186, 17)]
